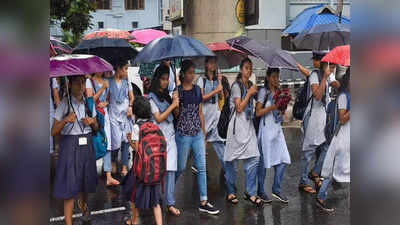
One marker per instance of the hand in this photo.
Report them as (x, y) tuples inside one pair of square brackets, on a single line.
[(103, 104), (129, 113), (106, 84), (87, 121), (219, 78), (219, 88), (129, 136), (274, 107), (327, 72), (71, 118), (253, 90), (175, 100)]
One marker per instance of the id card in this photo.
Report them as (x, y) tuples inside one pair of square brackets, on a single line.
[(82, 141)]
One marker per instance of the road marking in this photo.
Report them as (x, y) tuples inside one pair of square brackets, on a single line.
[(61, 218)]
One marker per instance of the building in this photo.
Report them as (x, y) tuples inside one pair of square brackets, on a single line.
[(123, 15)]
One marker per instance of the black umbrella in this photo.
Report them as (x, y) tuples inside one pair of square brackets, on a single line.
[(323, 37), (112, 50), (170, 47), (272, 56)]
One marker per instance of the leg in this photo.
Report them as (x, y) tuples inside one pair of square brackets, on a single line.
[(183, 146), (199, 153), (322, 149), (124, 157), (114, 160), (279, 170), (68, 210), (305, 162), (219, 148), (170, 187), (107, 168), (230, 174), (135, 214), (261, 175), (158, 214), (251, 166), (323, 191)]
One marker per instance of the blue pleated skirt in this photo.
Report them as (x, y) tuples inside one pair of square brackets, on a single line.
[(76, 167)]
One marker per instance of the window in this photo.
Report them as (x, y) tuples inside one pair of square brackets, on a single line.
[(135, 24), (100, 24), (134, 4), (102, 4)]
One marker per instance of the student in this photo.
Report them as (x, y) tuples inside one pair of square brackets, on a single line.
[(76, 173), (271, 141), (337, 161), (313, 127), (120, 109), (212, 91), (226, 92), (98, 87), (162, 108), (190, 132), (241, 142), (143, 196), (173, 79)]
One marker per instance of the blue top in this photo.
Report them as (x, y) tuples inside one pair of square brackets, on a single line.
[(162, 106), (189, 123)]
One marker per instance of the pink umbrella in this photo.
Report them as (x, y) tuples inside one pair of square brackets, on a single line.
[(146, 36), (339, 55)]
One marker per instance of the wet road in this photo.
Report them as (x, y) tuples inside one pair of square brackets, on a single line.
[(109, 209)]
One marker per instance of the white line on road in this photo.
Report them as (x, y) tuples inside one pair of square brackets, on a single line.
[(61, 218)]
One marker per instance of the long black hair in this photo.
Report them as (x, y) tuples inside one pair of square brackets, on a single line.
[(186, 65), (270, 71), (155, 84), (208, 58), (119, 64), (344, 82), (245, 60)]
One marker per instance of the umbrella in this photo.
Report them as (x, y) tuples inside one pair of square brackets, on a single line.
[(227, 56), (339, 55), (110, 49), (146, 36), (67, 65), (58, 47), (324, 37), (170, 47), (109, 33), (272, 57)]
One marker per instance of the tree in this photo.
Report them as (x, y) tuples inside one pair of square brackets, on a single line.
[(74, 16)]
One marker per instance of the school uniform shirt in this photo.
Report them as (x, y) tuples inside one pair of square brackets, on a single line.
[(211, 110), (79, 108), (242, 144), (270, 136), (337, 159), (314, 118), (168, 130)]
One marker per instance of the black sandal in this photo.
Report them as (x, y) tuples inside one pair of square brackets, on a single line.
[(248, 198), (175, 209), (232, 200)]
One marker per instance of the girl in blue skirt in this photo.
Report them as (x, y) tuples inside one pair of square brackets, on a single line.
[(76, 173)]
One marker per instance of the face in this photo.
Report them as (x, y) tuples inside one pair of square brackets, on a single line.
[(123, 72), (247, 70), (167, 62), (164, 81), (211, 65), (77, 86), (189, 75), (273, 80), (332, 67), (317, 63)]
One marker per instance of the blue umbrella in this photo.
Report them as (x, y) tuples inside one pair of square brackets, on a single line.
[(272, 56), (324, 37), (170, 47)]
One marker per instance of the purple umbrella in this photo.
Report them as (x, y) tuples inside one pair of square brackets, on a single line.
[(58, 47), (272, 56), (75, 64)]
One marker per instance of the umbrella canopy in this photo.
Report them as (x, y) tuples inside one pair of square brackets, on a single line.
[(112, 50), (227, 56), (324, 37), (339, 55), (146, 36), (272, 57), (109, 33), (170, 47), (68, 65), (320, 14), (58, 47)]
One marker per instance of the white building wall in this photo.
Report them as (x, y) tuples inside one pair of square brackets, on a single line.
[(272, 15)]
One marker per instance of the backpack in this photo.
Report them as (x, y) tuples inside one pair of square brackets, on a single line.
[(226, 113), (257, 119), (99, 138), (302, 100), (150, 162), (332, 125)]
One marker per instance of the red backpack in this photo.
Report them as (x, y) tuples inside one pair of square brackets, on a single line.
[(150, 163)]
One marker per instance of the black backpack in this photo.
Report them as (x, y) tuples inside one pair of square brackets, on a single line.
[(302, 99), (226, 113), (332, 120), (257, 119)]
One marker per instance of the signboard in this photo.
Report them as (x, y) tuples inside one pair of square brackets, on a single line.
[(241, 11), (252, 12), (176, 9)]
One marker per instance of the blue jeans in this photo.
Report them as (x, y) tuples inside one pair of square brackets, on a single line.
[(306, 157), (250, 168), (219, 148), (278, 177), (323, 191), (197, 143), (107, 162), (170, 187)]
